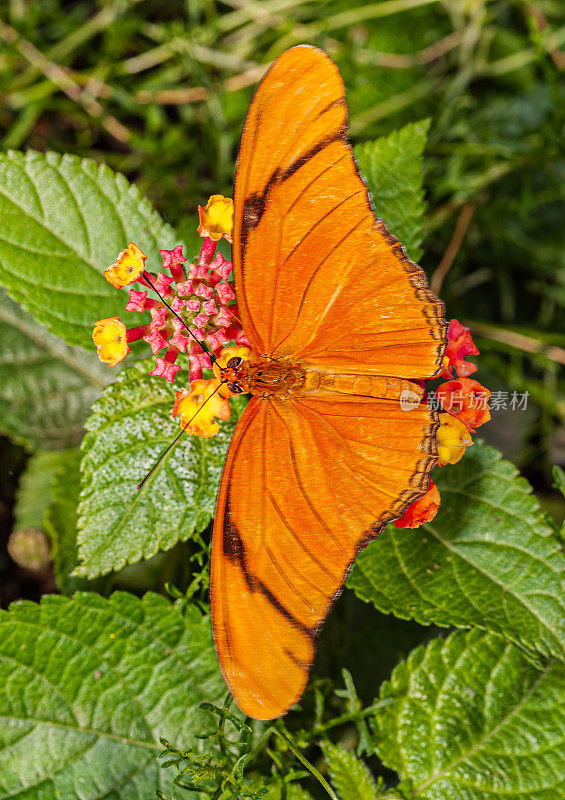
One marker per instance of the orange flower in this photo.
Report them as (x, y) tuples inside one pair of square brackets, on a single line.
[(199, 396), (452, 438), (422, 510), (459, 345), (216, 218), (466, 399), (110, 338), (127, 268)]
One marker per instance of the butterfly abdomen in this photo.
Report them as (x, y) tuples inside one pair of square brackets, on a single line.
[(376, 386)]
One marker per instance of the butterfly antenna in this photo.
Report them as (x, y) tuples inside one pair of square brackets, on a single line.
[(203, 345), (170, 446)]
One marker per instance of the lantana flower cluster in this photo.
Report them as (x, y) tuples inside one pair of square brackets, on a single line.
[(462, 403), (198, 298)]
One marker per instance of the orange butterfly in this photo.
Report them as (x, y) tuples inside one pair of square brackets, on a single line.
[(340, 320)]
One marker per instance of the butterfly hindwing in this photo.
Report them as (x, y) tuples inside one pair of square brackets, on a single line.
[(306, 483)]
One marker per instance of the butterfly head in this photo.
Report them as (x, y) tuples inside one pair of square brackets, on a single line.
[(234, 375), (233, 368)]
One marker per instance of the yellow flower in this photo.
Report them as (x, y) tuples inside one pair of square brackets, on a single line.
[(199, 396), (452, 438), (127, 268), (216, 218), (110, 338)]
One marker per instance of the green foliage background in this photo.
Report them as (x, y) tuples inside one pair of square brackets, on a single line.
[(457, 114)]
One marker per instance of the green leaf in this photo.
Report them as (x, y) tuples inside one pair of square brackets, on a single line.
[(61, 522), (46, 387), (559, 483), (488, 559), (349, 774), (559, 479), (393, 169), (87, 687), (35, 488), (130, 426), (470, 717), (292, 792), (63, 220)]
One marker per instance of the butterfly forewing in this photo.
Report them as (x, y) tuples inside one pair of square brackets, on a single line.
[(317, 276)]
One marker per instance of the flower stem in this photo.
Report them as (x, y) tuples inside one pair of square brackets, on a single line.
[(310, 767)]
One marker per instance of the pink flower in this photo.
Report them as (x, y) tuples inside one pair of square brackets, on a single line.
[(196, 306), (155, 341), (225, 292), (159, 317), (180, 340), (165, 370), (204, 291), (216, 340), (184, 289), (207, 251), (198, 362), (136, 301), (221, 266), (134, 334), (197, 272), (210, 308), (240, 338), (173, 260), (200, 358), (200, 320), (178, 305), (173, 257), (163, 283), (223, 319)]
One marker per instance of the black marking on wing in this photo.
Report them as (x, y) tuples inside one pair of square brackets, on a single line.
[(276, 603), (253, 210), (254, 206), (234, 550), (339, 102), (299, 663), (341, 133)]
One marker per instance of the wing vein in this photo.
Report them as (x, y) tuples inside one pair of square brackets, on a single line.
[(303, 491), (298, 540), (285, 577), (281, 236), (312, 276)]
